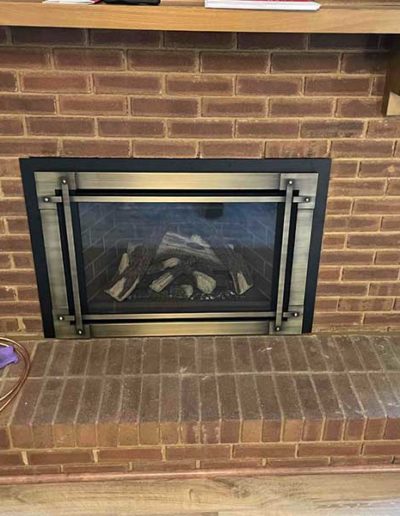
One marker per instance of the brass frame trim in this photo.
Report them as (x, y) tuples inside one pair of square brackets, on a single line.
[(186, 181), (177, 315), (304, 184), (66, 203), (284, 255), (176, 328)]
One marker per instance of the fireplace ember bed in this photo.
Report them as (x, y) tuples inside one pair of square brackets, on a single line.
[(175, 247)]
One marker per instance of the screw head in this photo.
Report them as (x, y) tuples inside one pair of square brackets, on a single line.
[(80, 332), (307, 199), (60, 318), (64, 181), (46, 199), (277, 328), (290, 182), (296, 314)]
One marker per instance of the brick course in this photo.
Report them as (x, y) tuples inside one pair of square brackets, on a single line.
[(180, 404), (148, 94)]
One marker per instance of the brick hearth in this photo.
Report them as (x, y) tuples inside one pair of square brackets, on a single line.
[(186, 403), (67, 92)]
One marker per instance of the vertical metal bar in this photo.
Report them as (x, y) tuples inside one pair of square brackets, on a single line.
[(72, 255), (284, 254)]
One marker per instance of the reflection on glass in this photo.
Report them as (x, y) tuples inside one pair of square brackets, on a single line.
[(170, 257)]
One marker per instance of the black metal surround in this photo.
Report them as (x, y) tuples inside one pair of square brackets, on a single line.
[(32, 168)]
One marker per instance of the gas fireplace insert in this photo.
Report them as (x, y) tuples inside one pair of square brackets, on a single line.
[(126, 247)]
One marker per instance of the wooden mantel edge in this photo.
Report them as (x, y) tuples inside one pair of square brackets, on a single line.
[(349, 18)]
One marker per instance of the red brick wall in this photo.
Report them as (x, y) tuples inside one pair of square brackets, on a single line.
[(148, 94)]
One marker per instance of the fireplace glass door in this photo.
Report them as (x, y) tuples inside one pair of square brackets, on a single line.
[(173, 257)]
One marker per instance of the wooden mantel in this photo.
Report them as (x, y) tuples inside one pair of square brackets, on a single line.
[(380, 17)]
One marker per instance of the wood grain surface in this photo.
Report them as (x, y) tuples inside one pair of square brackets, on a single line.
[(351, 17), (340, 494)]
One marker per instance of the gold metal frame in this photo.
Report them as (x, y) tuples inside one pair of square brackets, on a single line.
[(60, 188)]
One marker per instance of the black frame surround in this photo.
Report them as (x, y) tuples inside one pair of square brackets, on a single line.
[(304, 180)]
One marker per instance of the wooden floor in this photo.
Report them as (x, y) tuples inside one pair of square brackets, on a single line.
[(338, 494)]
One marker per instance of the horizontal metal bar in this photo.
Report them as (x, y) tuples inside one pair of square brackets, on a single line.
[(169, 316), (179, 328), (172, 316), (170, 199), (186, 180), (176, 199)]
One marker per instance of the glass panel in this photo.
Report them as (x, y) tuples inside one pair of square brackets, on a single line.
[(172, 257)]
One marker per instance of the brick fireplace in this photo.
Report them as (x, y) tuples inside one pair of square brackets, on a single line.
[(68, 92), (187, 403)]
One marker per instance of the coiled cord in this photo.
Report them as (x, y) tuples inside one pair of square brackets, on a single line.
[(22, 352)]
